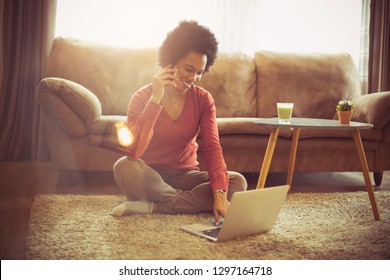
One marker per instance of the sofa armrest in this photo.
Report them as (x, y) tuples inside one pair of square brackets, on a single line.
[(72, 106), (373, 108)]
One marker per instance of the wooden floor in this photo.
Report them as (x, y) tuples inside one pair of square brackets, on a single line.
[(21, 181)]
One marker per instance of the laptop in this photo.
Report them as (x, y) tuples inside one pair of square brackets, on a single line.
[(250, 212)]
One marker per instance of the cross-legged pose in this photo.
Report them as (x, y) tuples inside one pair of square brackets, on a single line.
[(160, 173)]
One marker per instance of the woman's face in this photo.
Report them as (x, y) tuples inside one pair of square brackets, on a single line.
[(190, 69)]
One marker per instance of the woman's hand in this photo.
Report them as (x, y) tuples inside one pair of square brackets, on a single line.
[(166, 77), (221, 205)]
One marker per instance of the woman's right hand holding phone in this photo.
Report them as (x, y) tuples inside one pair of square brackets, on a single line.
[(166, 77)]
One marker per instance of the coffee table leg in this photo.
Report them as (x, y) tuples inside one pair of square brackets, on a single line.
[(267, 158), (366, 173), (293, 154)]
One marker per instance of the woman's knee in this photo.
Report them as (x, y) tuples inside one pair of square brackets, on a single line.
[(127, 168), (237, 181)]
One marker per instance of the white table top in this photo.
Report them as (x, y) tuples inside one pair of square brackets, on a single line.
[(312, 123)]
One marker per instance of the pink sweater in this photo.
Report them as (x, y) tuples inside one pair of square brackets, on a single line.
[(164, 143)]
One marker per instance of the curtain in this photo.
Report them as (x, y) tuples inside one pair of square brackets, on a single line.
[(379, 57), (364, 46), (26, 36)]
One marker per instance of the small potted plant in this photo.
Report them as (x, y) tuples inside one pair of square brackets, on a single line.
[(344, 111)]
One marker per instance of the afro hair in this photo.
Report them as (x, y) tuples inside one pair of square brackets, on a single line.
[(188, 36)]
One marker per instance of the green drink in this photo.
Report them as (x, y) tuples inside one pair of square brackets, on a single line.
[(284, 111)]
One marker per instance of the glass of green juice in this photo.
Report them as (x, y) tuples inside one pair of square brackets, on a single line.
[(284, 111)]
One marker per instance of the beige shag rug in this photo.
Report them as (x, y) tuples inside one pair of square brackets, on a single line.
[(310, 226)]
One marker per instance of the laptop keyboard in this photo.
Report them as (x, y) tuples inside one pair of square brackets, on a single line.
[(212, 232)]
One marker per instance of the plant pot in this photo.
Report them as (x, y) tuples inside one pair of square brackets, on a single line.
[(344, 116)]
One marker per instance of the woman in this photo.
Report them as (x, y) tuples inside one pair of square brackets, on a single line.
[(160, 173)]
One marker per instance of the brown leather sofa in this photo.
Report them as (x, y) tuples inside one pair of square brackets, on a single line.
[(88, 87)]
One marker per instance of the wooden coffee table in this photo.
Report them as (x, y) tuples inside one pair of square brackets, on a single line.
[(308, 123)]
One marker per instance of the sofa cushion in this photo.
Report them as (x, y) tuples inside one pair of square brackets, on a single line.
[(108, 140), (313, 82), (231, 81), (103, 133), (106, 124), (239, 126), (246, 126)]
